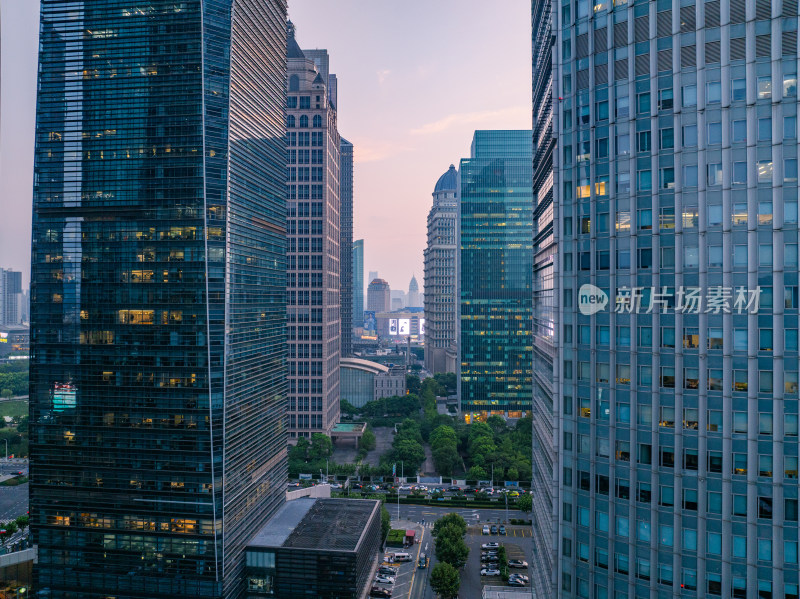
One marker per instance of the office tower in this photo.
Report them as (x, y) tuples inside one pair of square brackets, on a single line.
[(358, 283), (675, 215), (413, 293), (157, 377), (379, 296), (314, 309), (399, 299), (373, 274), (495, 267), (346, 244), (440, 280), (11, 297), (543, 492)]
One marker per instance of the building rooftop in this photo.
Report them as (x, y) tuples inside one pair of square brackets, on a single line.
[(360, 364), (317, 523), (498, 592), (448, 181)]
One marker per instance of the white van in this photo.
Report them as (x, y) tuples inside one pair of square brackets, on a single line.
[(401, 557)]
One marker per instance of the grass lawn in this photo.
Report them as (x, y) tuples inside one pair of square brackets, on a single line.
[(15, 408)]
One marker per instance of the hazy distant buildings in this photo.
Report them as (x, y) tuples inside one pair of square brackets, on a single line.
[(346, 244), (358, 283), (413, 300), (373, 274), (158, 286), (496, 266), (379, 296), (399, 299), (441, 275), (11, 297), (314, 310)]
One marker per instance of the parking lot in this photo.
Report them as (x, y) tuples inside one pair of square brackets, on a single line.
[(518, 546)]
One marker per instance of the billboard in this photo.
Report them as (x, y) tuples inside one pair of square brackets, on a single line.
[(393, 326), (404, 326), (421, 327), (64, 396), (370, 323)]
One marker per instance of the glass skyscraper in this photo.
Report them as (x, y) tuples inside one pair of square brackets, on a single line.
[(346, 244), (495, 269), (158, 311), (676, 284), (358, 283)]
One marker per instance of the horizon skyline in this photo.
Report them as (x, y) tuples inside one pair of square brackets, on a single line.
[(397, 108)]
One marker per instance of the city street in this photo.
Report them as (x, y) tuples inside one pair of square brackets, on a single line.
[(13, 502)]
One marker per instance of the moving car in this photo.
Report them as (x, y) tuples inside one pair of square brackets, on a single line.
[(454, 489), (502, 530), (381, 579), (380, 592), (423, 561), (517, 563), (490, 572), (514, 494), (486, 529), (401, 557), (490, 546)]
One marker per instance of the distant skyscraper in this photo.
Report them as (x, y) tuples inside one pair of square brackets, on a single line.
[(314, 309), (675, 319), (11, 297), (413, 293), (358, 283), (373, 274), (441, 276), (158, 312), (495, 266), (346, 244), (399, 298), (379, 296), (545, 497)]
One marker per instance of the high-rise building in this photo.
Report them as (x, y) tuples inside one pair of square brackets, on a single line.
[(346, 244), (495, 269), (676, 364), (441, 280), (373, 274), (158, 313), (413, 293), (399, 299), (314, 308), (543, 492), (358, 283), (379, 296), (11, 297)]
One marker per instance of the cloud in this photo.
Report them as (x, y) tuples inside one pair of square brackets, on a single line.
[(383, 74), (511, 116), (372, 150)]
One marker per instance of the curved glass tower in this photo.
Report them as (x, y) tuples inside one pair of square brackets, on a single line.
[(676, 371), (158, 310)]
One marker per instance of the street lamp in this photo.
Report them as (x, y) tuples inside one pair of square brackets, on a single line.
[(6, 440)]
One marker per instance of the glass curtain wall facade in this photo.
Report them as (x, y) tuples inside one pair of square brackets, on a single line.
[(440, 281), (358, 283), (544, 488), (495, 275), (677, 225), (157, 383), (346, 244)]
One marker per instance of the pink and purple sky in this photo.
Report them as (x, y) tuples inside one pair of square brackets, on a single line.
[(415, 80)]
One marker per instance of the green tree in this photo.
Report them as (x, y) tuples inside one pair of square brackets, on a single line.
[(410, 452), (443, 434), (450, 520), (450, 547), (408, 429), (22, 522), (7, 393), (321, 446), (445, 580), (497, 424), (479, 429), (476, 473), (386, 522), (8, 530), (512, 474), (413, 383), (525, 503), (446, 459), (446, 380), (367, 440), (347, 408)]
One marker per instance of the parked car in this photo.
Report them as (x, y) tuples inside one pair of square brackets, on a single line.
[(381, 579), (490, 559), (380, 592), (494, 529), (517, 563), (521, 577), (486, 529), (490, 572), (490, 546), (454, 489), (514, 494), (515, 582), (387, 571), (502, 530)]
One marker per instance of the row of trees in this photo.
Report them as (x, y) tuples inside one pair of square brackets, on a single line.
[(406, 448), (451, 553), (14, 378)]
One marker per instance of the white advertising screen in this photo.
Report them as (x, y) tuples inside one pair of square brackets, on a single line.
[(404, 326), (393, 326), (421, 326)]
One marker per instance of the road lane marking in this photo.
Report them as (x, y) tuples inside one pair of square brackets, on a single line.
[(416, 561)]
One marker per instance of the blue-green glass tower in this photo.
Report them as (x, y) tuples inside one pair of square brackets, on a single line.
[(495, 271), (158, 294)]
